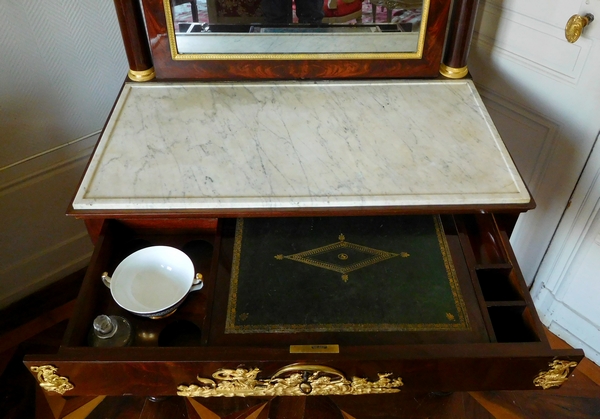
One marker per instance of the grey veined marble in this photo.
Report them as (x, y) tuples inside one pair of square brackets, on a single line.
[(299, 145)]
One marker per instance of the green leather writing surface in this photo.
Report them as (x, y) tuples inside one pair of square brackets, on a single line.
[(343, 274)]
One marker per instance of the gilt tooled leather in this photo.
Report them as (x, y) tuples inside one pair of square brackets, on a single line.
[(343, 274)]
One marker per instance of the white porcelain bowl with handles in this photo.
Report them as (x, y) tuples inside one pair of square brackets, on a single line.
[(154, 281)]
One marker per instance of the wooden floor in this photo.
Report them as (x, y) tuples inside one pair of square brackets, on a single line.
[(578, 398)]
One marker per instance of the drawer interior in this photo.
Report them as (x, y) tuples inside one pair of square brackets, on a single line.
[(187, 325), (497, 301)]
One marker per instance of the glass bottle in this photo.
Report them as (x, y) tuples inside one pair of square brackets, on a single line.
[(110, 331)]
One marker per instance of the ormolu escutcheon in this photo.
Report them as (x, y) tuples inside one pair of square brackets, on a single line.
[(575, 26)]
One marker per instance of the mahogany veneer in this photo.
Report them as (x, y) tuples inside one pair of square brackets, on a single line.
[(166, 68)]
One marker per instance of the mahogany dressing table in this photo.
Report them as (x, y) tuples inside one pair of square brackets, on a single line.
[(350, 215)]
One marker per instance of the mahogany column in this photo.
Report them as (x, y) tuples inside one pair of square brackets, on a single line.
[(458, 41), (135, 40)]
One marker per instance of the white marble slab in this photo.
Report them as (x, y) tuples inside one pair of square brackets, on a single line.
[(299, 145)]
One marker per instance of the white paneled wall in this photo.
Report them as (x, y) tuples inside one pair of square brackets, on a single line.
[(62, 64), (543, 93)]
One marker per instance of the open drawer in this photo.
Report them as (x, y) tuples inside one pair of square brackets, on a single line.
[(439, 305), (490, 338)]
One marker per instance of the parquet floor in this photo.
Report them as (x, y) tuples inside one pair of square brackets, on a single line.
[(578, 398)]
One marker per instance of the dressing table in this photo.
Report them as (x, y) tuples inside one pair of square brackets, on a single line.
[(349, 210)]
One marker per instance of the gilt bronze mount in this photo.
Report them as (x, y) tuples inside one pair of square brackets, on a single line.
[(557, 374), (292, 380), (50, 381)]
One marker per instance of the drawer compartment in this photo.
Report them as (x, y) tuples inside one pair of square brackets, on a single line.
[(512, 323), (500, 344)]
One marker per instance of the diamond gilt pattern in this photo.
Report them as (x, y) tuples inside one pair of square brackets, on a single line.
[(350, 257)]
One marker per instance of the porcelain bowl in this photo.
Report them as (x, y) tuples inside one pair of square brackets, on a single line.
[(154, 281)]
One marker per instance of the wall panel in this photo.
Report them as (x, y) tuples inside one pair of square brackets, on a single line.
[(62, 64)]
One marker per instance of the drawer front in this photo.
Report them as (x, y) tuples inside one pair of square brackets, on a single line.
[(245, 378)]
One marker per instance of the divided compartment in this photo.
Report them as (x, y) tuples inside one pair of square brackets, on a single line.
[(507, 306), (499, 284), (184, 327), (503, 294), (513, 323), (485, 240)]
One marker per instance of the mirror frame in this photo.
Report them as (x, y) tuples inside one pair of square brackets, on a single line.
[(246, 66)]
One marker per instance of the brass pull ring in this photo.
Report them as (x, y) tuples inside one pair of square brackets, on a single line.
[(575, 26)]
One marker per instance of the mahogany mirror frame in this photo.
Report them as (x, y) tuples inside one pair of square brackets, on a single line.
[(148, 49)]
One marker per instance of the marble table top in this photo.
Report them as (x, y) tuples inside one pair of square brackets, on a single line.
[(283, 145)]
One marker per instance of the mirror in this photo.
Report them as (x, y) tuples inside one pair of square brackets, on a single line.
[(292, 29)]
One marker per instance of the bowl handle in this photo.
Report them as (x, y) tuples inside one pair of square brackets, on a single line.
[(106, 279), (198, 283)]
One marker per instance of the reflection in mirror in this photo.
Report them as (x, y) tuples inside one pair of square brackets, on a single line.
[(275, 26)]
